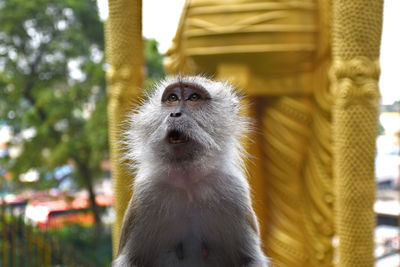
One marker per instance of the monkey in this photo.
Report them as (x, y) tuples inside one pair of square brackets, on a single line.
[(191, 203)]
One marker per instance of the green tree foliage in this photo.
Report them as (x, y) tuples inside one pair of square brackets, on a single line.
[(52, 89), (153, 58), (85, 247)]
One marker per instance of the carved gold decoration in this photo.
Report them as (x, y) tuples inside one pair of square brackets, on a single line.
[(124, 78), (354, 74), (266, 35)]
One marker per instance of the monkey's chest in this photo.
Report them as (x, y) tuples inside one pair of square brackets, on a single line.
[(188, 239), (188, 250), (191, 244)]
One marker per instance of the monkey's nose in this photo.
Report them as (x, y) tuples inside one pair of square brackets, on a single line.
[(175, 115)]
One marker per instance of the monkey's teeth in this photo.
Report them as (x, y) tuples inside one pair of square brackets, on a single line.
[(177, 141), (175, 137)]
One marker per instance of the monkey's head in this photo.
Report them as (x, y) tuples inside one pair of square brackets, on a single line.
[(186, 120)]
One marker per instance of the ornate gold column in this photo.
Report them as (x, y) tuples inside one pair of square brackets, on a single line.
[(355, 73), (124, 54)]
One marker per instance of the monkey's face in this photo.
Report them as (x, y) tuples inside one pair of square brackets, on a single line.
[(186, 119), (184, 100), (185, 133)]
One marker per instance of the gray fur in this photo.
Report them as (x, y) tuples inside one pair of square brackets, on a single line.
[(198, 197)]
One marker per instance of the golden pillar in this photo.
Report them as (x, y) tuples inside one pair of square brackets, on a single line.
[(124, 52), (355, 73)]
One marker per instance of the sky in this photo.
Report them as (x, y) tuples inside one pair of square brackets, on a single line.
[(160, 20), (390, 52)]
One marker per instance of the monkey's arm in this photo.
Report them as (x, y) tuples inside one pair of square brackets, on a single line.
[(128, 221), (129, 217), (258, 257), (252, 221)]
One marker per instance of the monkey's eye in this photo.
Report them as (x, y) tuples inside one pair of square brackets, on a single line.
[(172, 98), (194, 97)]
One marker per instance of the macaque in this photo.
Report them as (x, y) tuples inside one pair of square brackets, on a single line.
[(191, 201)]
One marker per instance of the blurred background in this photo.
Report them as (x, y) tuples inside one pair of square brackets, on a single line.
[(55, 186), (56, 191)]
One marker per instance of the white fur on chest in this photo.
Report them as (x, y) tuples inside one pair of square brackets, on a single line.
[(188, 181), (191, 209)]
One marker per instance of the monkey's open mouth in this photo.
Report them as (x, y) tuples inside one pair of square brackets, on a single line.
[(176, 137)]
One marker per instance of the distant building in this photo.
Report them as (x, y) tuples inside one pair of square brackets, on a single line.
[(389, 118)]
